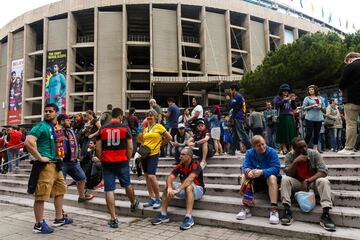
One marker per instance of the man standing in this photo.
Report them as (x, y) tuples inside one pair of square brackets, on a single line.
[(256, 122), (157, 108), (14, 141), (305, 169), (270, 115), (71, 165), (50, 182), (106, 116), (172, 117), (114, 149), (237, 106), (133, 123), (191, 188), (350, 87)]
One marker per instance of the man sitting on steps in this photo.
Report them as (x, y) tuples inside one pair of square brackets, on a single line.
[(306, 169), (262, 167), (191, 188)]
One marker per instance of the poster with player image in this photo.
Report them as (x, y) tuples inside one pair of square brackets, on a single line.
[(15, 92), (55, 85)]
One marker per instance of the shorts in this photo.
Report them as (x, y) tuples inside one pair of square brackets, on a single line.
[(150, 164), (260, 184), (74, 170), (210, 152), (51, 183), (198, 191), (109, 175), (215, 133)]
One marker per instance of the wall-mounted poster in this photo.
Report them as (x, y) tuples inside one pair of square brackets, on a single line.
[(55, 85), (15, 92)]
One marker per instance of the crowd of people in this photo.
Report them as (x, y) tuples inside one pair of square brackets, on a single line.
[(96, 149)]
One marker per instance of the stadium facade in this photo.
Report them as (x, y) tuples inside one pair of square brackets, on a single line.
[(85, 54)]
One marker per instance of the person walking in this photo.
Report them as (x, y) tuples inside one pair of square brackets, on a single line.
[(153, 136), (314, 106), (350, 87), (285, 125)]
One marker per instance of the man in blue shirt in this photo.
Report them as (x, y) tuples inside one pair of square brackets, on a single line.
[(172, 117), (237, 106), (57, 88), (262, 167)]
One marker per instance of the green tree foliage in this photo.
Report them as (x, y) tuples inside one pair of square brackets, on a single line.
[(312, 59)]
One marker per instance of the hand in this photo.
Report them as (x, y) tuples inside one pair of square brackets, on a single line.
[(172, 192), (302, 158), (286, 98), (315, 105), (227, 97), (305, 186), (255, 173), (44, 159), (191, 144), (95, 159)]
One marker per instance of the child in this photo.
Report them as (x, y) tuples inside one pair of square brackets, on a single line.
[(227, 133)]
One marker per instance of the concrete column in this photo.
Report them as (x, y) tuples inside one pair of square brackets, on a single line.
[(151, 49), (247, 43), (205, 97), (46, 37), (70, 60), (29, 68), (203, 37), (296, 33), (8, 71), (228, 41), (96, 29), (267, 37), (179, 32), (124, 57), (282, 33)]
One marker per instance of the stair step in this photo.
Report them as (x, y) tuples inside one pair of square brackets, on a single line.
[(211, 218)]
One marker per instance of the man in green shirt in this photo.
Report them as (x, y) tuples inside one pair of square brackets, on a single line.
[(50, 183)]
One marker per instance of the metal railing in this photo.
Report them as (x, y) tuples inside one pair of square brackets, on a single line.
[(138, 38), (15, 159), (85, 38)]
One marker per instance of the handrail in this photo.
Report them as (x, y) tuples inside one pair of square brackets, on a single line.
[(5, 149), (26, 155)]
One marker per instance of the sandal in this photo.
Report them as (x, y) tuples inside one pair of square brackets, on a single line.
[(87, 197)]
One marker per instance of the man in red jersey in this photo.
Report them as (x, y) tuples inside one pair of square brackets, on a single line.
[(114, 148)]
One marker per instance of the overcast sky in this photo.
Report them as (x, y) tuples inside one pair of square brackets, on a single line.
[(340, 10)]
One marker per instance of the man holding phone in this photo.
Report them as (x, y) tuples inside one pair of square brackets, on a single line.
[(305, 169)]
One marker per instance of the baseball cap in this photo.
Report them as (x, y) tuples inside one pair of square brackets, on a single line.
[(200, 121), (181, 125), (63, 117)]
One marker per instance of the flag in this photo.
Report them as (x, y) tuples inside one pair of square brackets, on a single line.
[(322, 12), (312, 7), (354, 26), (301, 4), (330, 18), (347, 24), (340, 21)]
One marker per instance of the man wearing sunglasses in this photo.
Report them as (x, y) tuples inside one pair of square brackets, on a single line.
[(49, 180)]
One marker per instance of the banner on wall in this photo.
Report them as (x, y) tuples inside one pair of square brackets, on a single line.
[(55, 85), (15, 92)]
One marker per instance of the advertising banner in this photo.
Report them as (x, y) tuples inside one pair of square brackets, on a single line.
[(15, 92), (55, 85)]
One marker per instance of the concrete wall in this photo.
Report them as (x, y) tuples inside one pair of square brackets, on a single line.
[(57, 36), (109, 64), (3, 80), (18, 45), (257, 38)]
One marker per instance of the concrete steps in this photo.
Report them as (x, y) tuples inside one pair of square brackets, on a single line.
[(209, 217)]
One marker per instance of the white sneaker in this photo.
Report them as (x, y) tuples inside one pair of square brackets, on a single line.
[(243, 214), (346, 152), (274, 217), (203, 165)]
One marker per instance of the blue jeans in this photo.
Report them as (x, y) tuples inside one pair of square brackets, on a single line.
[(110, 175), (239, 134), (74, 170), (13, 154), (198, 191), (270, 134), (336, 138)]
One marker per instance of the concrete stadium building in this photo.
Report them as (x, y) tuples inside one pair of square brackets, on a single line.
[(125, 51)]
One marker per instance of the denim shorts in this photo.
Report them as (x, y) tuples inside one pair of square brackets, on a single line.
[(198, 191), (74, 170), (110, 175), (150, 164)]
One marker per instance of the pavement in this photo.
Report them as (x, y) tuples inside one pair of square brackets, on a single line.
[(16, 222)]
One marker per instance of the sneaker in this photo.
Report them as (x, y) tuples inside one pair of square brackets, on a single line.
[(243, 214), (157, 204), (187, 223), (274, 217), (87, 197), (134, 206), (62, 222), (327, 223), (43, 228), (99, 186), (287, 219), (346, 152), (203, 165), (149, 203), (160, 219), (113, 223)]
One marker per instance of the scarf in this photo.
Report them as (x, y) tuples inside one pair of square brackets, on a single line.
[(59, 141), (71, 144), (247, 190)]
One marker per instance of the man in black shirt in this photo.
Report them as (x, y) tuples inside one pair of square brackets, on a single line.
[(191, 188)]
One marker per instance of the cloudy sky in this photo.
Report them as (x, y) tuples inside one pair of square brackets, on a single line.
[(341, 11)]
